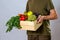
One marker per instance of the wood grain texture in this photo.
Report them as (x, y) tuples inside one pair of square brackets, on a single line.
[(30, 25)]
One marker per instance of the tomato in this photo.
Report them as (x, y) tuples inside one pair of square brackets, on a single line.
[(23, 17), (26, 16)]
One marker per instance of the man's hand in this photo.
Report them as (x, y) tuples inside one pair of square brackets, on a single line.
[(52, 16), (40, 19)]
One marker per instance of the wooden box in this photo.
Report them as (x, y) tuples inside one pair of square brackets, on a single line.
[(30, 25)]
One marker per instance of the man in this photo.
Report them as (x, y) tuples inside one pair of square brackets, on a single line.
[(46, 12)]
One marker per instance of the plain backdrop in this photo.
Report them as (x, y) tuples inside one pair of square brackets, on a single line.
[(9, 8)]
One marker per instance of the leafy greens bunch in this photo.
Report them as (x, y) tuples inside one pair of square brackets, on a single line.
[(13, 22)]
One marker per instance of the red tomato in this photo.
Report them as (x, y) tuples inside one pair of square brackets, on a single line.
[(22, 18), (26, 17)]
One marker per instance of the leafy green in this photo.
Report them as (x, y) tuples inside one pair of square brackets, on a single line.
[(13, 22)]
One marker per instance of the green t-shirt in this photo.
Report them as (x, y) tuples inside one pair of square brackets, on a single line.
[(42, 7)]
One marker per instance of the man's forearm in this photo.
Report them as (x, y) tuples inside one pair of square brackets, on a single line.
[(50, 17)]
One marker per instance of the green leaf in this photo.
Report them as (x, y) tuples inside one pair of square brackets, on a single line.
[(13, 22)]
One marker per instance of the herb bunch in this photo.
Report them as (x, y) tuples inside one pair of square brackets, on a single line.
[(13, 22)]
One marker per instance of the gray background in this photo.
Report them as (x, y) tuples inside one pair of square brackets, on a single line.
[(10, 8)]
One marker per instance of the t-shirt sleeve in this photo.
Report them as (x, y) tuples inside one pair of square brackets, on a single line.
[(50, 5)]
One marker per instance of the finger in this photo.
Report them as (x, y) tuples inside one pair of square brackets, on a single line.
[(39, 16), (38, 21)]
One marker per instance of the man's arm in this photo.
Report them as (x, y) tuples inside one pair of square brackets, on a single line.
[(52, 16)]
